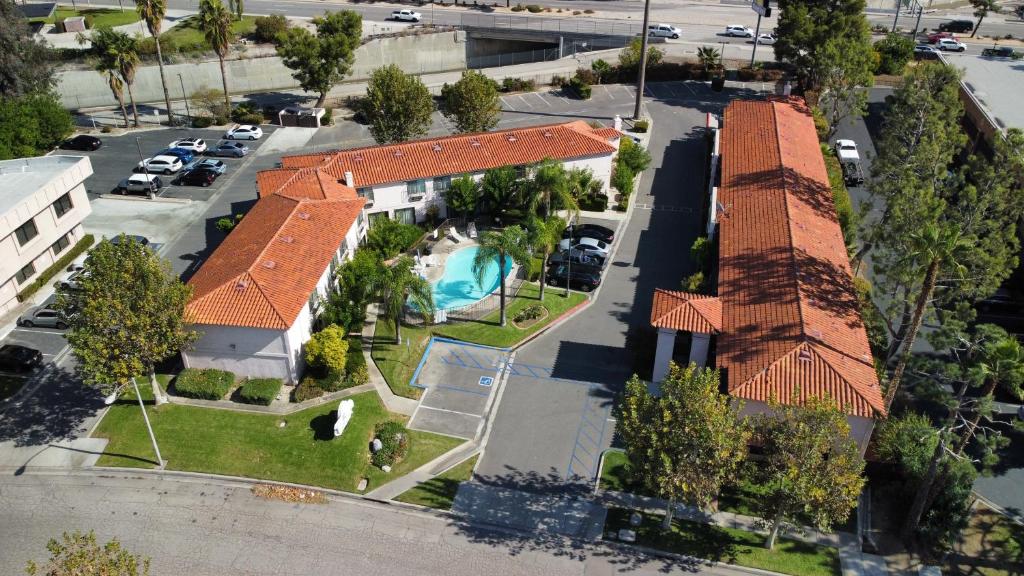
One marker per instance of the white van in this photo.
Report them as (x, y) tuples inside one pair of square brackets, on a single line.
[(664, 30)]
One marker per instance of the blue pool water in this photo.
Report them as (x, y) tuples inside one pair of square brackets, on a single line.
[(458, 287)]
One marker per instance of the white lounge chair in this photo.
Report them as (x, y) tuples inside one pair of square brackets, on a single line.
[(471, 230), (456, 236)]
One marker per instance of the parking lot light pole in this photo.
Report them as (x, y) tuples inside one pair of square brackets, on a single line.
[(184, 97), (643, 62), (149, 428), (142, 159)]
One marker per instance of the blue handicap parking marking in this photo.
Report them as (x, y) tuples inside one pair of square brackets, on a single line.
[(486, 380)]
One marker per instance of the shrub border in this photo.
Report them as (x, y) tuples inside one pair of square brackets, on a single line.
[(44, 278)]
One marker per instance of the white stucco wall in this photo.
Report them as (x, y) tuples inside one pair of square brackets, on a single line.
[(860, 427)]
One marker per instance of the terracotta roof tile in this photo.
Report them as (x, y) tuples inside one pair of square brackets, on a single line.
[(459, 154), (686, 311), (790, 312)]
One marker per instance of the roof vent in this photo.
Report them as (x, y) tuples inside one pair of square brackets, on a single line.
[(269, 264), (287, 239), (547, 134), (358, 158), (804, 355), (817, 334), (398, 153), (304, 215), (241, 285), (512, 138), (474, 143), (436, 147)]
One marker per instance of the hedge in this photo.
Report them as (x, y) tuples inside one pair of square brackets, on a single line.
[(55, 268), (594, 203), (260, 390), (307, 389), (394, 439), (356, 371), (205, 384)]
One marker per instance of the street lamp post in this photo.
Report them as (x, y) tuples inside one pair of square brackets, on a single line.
[(184, 97), (149, 428), (643, 62)]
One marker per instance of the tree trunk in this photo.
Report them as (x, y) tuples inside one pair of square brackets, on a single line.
[(978, 25), (773, 534), (670, 510), (543, 274), (163, 80), (990, 388), (124, 112), (917, 508), (398, 328), (131, 98), (915, 325), (901, 330), (501, 271), (320, 101), (224, 82)]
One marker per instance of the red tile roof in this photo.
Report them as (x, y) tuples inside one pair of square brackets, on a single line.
[(686, 311), (460, 154), (790, 315), (266, 269)]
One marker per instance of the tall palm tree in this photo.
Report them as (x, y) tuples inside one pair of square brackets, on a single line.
[(550, 185), (545, 236), (581, 182), (933, 247), (117, 88), (1001, 364), (119, 52), (512, 242), (215, 23), (152, 13), (395, 284)]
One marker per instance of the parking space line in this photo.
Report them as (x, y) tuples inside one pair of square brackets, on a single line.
[(528, 105), (510, 107), (473, 359), (450, 412), (546, 103), (37, 331), (463, 390)]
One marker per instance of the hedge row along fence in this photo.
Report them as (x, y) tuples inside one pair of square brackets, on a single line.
[(61, 263)]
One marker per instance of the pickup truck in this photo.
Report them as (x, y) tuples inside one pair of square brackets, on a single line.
[(847, 151), (406, 16), (1001, 52), (853, 174)]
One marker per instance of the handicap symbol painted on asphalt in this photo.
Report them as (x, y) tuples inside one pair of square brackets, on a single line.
[(486, 380)]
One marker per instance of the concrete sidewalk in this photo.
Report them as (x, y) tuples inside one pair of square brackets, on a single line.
[(392, 402), (438, 465)]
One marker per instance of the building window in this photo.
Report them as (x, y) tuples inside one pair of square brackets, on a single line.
[(521, 171), (61, 243), (314, 298), (415, 188), (366, 192), (442, 184), (25, 273), (63, 205), (375, 216), (359, 220), (406, 215), (26, 232)]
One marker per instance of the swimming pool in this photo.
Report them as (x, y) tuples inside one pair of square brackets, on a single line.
[(458, 286)]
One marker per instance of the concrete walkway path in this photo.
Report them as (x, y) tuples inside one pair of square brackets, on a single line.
[(392, 402), (436, 466)]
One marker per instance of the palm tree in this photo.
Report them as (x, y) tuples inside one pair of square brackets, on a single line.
[(153, 12), (117, 88), (550, 185), (118, 52), (934, 247), (512, 242), (498, 189), (581, 182), (397, 283), (215, 23), (545, 236), (1001, 363)]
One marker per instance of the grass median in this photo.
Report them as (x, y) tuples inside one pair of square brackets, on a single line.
[(439, 491), (303, 451)]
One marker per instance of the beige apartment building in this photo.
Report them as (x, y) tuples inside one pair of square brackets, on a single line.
[(42, 205)]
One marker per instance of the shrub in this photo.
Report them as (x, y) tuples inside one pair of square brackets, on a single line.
[(308, 389), (106, 130), (211, 101), (622, 180), (894, 51), (57, 267), (388, 237), (518, 8), (694, 282), (587, 76), (205, 383), (533, 268), (588, 11), (581, 88), (594, 203), (260, 390), (356, 371), (820, 125), (327, 351), (699, 251), (518, 85), (228, 223), (633, 156), (394, 439), (601, 69), (533, 8), (641, 126), (328, 117), (531, 312), (268, 27), (202, 122), (558, 81)]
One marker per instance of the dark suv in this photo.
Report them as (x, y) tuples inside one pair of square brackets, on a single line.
[(582, 278), (956, 26)]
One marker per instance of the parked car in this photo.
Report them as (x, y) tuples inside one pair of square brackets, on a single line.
[(17, 358), (406, 15), (577, 258), (140, 184), (957, 26), (180, 153), (198, 177), (602, 233), (82, 142), (72, 282), (1001, 52), (846, 150), (768, 39), (43, 317), (737, 30), (664, 31), (217, 166), (579, 277), (936, 36), (229, 149), (950, 45), (244, 132), (160, 164), (194, 145), (853, 174), (925, 52), (585, 245), (130, 238)]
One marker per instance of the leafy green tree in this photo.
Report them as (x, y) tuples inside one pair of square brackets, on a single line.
[(118, 51), (601, 69), (685, 443), (390, 237), (1000, 365), (79, 554), (981, 10), (549, 188), (215, 24), (805, 29), (25, 63), (622, 180), (472, 102), (127, 315), (845, 81), (811, 465), (633, 156), (499, 189), (581, 182), (31, 125), (709, 57), (327, 351), (152, 13), (397, 283), (894, 51), (629, 57), (498, 247), (321, 61), (462, 194), (345, 304), (544, 238), (398, 105)]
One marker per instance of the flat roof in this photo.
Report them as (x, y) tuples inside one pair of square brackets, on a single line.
[(997, 84), (32, 11), (22, 177)]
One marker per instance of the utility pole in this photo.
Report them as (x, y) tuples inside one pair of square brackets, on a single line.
[(757, 32), (896, 19), (643, 62), (763, 8), (184, 97)]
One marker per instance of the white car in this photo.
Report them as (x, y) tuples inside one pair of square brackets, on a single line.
[(160, 164), (768, 39), (196, 145), (737, 30), (847, 151), (586, 245), (950, 45), (244, 132), (406, 16), (140, 184), (664, 31)]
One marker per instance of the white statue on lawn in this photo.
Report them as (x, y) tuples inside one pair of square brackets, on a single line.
[(345, 408)]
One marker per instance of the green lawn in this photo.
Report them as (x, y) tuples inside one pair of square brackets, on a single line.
[(9, 385), (729, 545), (439, 491), (186, 36), (615, 474), (304, 451), (398, 362), (100, 16)]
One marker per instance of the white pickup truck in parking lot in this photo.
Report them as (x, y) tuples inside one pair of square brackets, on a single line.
[(406, 16), (847, 151)]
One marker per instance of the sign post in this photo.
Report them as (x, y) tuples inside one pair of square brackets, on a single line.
[(763, 9)]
